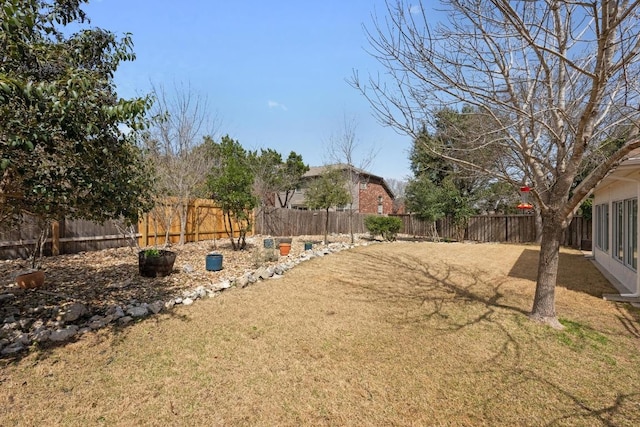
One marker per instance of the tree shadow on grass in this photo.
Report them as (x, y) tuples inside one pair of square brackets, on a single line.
[(422, 284), (575, 273), (429, 290)]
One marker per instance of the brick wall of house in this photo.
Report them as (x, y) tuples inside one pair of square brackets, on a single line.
[(369, 199)]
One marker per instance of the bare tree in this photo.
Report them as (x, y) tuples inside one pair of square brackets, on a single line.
[(175, 145), (344, 148), (554, 78)]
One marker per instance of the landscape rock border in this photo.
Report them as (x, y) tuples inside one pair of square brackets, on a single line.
[(17, 335)]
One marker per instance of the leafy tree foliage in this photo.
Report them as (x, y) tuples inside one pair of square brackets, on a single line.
[(230, 184), (62, 150), (385, 226), (275, 179), (427, 201), (452, 189), (327, 191)]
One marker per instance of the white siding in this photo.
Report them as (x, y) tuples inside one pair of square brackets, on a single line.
[(615, 190)]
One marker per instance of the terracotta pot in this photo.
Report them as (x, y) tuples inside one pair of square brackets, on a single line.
[(30, 280), (285, 248)]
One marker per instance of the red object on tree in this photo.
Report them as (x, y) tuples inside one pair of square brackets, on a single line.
[(524, 192)]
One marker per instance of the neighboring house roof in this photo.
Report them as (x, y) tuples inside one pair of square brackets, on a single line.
[(319, 170)]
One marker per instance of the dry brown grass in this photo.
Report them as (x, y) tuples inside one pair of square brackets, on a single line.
[(398, 334)]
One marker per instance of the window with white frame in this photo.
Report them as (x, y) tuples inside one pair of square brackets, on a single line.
[(625, 232), (602, 226), (617, 229), (631, 235)]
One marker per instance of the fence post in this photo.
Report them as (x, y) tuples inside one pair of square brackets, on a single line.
[(145, 230), (196, 209)]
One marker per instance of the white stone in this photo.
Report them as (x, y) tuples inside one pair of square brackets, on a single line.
[(187, 301), (23, 339), (74, 312), (118, 313), (139, 311), (242, 282), (125, 320), (41, 335), (156, 307), (97, 324), (225, 284), (63, 334), (11, 349)]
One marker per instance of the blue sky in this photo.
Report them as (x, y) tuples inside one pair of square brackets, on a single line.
[(274, 72)]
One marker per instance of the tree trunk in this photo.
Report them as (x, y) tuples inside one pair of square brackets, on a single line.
[(351, 223), (544, 305), (228, 226), (538, 224), (183, 210)]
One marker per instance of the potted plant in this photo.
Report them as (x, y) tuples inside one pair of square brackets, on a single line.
[(155, 262), (33, 277)]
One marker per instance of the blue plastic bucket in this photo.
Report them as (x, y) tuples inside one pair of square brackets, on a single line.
[(214, 262), (268, 243), (308, 246)]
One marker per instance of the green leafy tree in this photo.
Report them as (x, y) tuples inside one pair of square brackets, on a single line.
[(386, 226), (327, 191), (275, 183), (275, 179), (230, 183), (460, 191), (294, 169), (427, 201), (68, 144)]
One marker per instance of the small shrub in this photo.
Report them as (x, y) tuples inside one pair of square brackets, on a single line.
[(385, 226), (151, 253)]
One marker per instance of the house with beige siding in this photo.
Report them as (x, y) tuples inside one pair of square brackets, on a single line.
[(369, 193)]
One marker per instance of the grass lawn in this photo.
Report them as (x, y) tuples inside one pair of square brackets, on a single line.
[(394, 334)]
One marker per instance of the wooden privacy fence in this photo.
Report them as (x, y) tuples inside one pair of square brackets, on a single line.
[(481, 228), (65, 236), (500, 228), (204, 222), (293, 222)]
